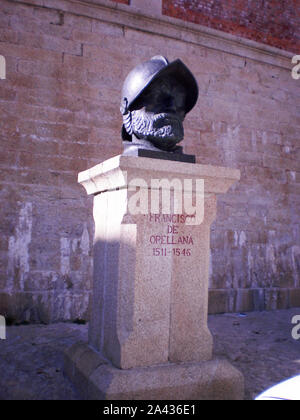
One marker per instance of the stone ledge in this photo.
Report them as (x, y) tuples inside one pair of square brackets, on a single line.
[(96, 379), (248, 300), (116, 172)]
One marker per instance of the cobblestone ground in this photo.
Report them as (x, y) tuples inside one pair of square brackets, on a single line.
[(259, 344)]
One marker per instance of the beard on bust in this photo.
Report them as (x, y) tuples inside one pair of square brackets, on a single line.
[(164, 130)]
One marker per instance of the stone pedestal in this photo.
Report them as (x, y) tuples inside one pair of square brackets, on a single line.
[(148, 335)]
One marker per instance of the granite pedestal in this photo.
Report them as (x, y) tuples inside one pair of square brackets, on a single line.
[(148, 334)]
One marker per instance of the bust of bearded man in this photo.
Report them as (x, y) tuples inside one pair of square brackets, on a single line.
[(156, 97)]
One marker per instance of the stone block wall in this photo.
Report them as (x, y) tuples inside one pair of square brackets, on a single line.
[(66, 62)]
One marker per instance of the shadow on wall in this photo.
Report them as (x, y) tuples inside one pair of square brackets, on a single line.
[(111, 321)]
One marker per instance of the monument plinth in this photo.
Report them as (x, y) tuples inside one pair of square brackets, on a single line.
[(148, 334)]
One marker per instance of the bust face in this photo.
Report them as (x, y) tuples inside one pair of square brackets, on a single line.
[(159, 113)]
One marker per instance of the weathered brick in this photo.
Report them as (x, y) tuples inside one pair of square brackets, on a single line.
[(9, 36), (30, 53), (103, 28), (27, 160), (8, 158), (270, 22), (52, 43), (294, 298), (7, 94), (218, 301)]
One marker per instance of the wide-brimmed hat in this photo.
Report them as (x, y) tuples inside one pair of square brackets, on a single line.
[(143, 75)]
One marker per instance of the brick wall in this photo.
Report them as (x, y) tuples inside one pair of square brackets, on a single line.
[(273, 22), (60, 115)]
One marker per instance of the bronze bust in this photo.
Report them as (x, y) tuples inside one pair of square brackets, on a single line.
[(156, 96)]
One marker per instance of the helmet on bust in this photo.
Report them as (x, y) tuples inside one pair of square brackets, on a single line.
[(145, 74)]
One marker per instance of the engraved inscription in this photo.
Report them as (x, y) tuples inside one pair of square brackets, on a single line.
[(171, 236)]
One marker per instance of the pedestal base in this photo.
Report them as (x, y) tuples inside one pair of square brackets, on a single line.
[(96, 379)]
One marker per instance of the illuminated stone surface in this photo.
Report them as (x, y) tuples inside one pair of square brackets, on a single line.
[(150, 297)]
